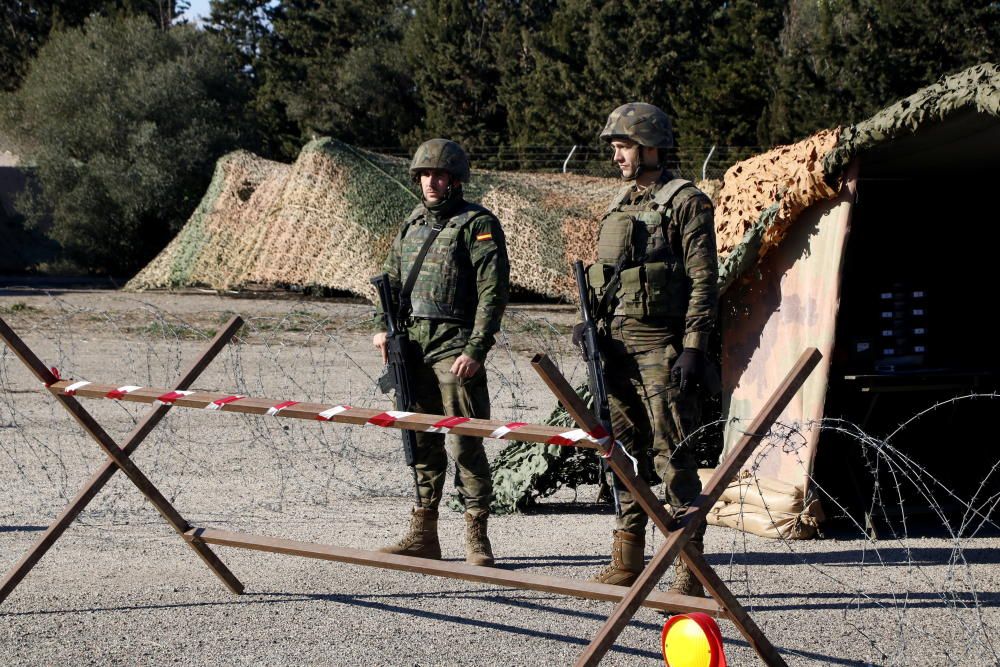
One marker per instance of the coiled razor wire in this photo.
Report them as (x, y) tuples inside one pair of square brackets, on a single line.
[(310, 351), (906, 597)]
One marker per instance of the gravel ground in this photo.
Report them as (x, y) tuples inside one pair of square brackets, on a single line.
[(121, 588)]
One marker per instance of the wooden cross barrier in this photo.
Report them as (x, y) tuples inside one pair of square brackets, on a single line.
[(677, 530)]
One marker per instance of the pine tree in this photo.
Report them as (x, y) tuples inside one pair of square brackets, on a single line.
[(843, 60), (540, 85), (725, 91), (451, 51), (591, 57), (333, 69), (244, 26)]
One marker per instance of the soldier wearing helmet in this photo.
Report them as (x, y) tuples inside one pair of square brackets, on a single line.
[(654, 290), (452, 255)]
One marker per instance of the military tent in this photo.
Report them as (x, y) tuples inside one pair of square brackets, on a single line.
[(884, 270)]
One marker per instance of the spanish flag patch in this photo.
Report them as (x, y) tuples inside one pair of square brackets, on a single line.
[(484, 237)]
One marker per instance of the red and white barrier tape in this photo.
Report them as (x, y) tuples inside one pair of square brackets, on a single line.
[(389, 418), (570, 437), (116, 394), (384, 419), (327, 415), (506, 429), (599, 436), (55, 374), (170, 397), (447, 424), (71, 389), (219, 402), (275, 409), (611, 449)]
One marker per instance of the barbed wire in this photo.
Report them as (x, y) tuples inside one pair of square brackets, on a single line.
[(235, 469), (593, 159)]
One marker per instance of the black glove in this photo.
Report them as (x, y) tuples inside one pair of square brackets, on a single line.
[(689, 369), (578, 333)]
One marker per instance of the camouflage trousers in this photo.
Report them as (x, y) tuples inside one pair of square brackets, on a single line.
[(438, 391), (650, 416)]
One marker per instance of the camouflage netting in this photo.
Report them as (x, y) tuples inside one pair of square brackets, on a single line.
[(974, 89), (762, 196), (327, 221), (526, 471)]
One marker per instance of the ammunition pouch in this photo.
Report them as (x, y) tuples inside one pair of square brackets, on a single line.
[(651, 289)]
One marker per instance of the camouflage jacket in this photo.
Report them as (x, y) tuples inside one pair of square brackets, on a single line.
[(683, 301), (461, 292)]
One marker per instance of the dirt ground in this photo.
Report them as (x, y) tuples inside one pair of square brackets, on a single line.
[(121, 588)]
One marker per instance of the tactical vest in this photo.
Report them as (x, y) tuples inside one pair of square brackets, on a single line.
[(645, 239), (445, 288)]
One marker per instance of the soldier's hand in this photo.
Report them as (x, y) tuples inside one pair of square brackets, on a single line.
[(578, 333), (378, 340), (465, 366), (689, 369)]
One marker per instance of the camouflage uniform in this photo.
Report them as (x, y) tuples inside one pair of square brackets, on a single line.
[(661, 239), (659, 309), (458, 300)]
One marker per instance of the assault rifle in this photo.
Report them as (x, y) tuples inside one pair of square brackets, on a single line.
[(396, 377), (595, 370)]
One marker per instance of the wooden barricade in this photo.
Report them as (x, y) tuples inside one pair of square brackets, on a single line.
[(677, 530)]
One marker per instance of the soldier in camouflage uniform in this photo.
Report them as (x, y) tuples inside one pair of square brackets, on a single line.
[(658, 236), (453, 314)]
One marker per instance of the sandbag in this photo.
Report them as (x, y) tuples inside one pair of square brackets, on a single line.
[(765, 507)]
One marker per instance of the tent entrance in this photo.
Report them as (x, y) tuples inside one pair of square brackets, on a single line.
[(917, 293)]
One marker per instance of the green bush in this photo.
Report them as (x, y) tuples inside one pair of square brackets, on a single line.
[(125, 122)]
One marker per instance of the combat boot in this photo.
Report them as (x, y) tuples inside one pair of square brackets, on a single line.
[(478, 550), (685, 583), (626, 560), (422, 540)]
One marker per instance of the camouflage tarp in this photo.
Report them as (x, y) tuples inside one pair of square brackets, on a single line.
[(793, 305)]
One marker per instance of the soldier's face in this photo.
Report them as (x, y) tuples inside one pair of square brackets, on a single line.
[(626, 154), (434, 184)]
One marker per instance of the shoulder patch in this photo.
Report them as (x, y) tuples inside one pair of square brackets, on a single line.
[(484, 237)]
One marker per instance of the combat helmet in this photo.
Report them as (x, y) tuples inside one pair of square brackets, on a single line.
[(441, 154), (645, 124)]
